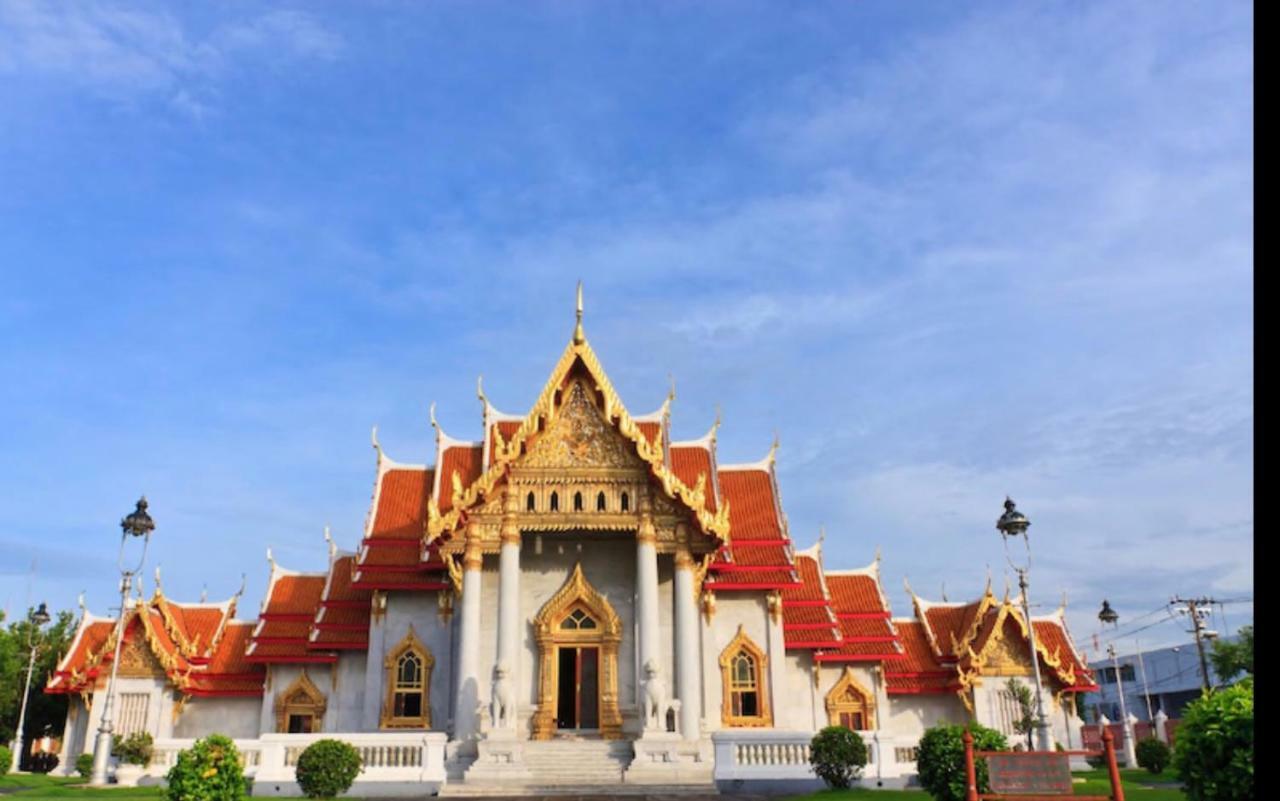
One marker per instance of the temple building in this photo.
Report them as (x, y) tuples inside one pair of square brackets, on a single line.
[(571, 598)]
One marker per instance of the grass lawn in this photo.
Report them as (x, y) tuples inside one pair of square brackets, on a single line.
[(30, 785), (1139, 785)]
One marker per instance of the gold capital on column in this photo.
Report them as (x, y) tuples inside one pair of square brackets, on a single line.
[(471, 554)]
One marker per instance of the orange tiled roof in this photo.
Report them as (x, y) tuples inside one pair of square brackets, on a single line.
[(284, 626), (390, 555), (866, 629), (919, 671), (808, 620), (465, 460), (168, 630), (690, 461), (756, 535), (342, 621)]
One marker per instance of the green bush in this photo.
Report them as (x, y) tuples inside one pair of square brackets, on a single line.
[(207, 771), (1152, 754), (6, 759), (940, 759), (1214, 751), (133, 750), (327, 768), (838, 756), (84, 765)]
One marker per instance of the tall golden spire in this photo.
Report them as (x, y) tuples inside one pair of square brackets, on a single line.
[(578, 336)]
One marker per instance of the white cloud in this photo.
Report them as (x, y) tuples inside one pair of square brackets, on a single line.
[(129, 53)]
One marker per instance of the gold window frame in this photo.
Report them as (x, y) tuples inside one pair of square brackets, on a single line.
[(739, 644), (410, 644), (301, 697), (838, 701)]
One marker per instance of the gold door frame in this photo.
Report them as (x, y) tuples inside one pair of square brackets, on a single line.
[(577, 593)]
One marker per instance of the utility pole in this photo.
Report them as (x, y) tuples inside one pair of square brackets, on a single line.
[(1198, 608)]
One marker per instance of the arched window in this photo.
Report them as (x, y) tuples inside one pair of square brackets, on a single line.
[(555, 502), (577, 501), (408, 703), (600, 502), (529, 503), (626, 502), (744, 680), (300, 708), (850, 704)]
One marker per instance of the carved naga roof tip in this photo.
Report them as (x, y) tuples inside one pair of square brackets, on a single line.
[(333, 546)]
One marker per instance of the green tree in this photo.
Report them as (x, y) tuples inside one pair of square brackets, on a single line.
[(1213, 752), (940, 759), (838, 756), (1230, 659), (44, 712), (1026, 722)]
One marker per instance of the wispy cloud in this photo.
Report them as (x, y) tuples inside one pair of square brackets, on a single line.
[(125, 53)]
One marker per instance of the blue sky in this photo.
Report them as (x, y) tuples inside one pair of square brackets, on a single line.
[(946, 251)]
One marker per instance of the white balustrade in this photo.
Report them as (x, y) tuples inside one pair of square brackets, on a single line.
[(764, 754), (394, 760)]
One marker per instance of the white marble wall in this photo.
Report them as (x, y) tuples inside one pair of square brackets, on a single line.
[(749, 610), (235, 717), (422, 611)]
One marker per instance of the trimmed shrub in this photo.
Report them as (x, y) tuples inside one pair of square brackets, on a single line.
[(1152, 754), (6, 759), (940, 759), (1214, 748), (207, 771), (327, 768), (84, 765), (134, 749), (838, 756)]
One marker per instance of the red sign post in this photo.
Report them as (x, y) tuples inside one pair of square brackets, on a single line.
[(1034, 775)]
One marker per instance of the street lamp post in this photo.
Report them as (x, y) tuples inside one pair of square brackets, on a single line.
[(1014, 524), (38, 618), (137, 524), (1108, 615)]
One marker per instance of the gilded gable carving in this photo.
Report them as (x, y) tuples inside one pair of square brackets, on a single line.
[(579, 437)]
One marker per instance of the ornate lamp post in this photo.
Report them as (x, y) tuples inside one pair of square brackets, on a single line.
[(38, 619), (1014, 524), (1108, 616), (137, 525)]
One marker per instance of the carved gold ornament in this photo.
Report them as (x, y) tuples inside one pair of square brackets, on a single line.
[(302, 697)]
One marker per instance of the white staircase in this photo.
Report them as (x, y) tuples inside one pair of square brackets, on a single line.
[(573, 766)]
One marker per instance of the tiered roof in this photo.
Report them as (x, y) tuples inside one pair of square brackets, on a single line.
[(198, 647), (950, 644), (289, 609), (867, 633)]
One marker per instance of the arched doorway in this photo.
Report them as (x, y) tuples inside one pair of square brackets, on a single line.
[(578, 634)]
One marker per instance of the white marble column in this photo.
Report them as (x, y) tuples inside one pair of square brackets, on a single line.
[(687, 657), (647, 591), (465, 718), (509, 601)]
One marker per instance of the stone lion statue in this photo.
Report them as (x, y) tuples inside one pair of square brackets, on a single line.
[(655, 697), (504, 703)]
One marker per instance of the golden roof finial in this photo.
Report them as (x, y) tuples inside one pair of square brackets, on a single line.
[(578, 336), (671, 393), (240, 592), (84, 609), (373, 439), (333, 546), (204, 593), (271, 559), (944, 592), (159, 591)]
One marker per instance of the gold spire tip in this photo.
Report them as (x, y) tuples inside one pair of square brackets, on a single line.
[(578, 336)]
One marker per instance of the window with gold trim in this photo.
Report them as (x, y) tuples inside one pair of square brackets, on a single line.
[(849, 704), (300, 708), (744, 681), (408, 703)]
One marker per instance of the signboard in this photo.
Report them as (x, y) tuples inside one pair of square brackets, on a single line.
[(1026, 773)]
